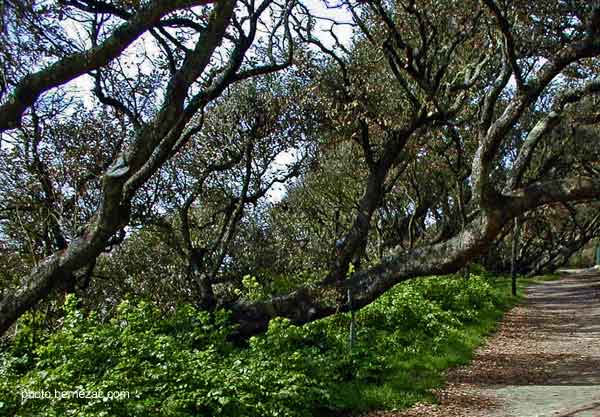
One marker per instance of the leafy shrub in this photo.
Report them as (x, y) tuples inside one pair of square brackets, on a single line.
[(183, 364)]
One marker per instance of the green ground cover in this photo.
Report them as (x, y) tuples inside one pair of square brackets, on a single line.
[(184, 365)]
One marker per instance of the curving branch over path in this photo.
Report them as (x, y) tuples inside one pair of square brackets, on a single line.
[(157, 140), (311, 303), (495, 208)]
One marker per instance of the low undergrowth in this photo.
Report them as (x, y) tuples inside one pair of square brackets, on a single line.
[(184, 365)]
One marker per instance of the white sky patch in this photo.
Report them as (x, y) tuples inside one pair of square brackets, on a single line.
[(343, 30), (282, 163)]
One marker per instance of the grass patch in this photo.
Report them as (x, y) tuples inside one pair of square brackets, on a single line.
[(413, 375), (503, 284)]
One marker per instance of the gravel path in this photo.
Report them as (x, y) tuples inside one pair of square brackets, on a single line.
[(544, 360)]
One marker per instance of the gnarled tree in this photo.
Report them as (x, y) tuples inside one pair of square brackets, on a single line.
[(445, 110)]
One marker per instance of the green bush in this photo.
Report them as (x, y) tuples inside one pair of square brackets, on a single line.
[(184, 365)]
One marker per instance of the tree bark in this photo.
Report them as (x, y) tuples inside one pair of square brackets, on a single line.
[(311, 303)]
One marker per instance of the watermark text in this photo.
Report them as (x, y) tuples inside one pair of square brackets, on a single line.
[(73, 394)]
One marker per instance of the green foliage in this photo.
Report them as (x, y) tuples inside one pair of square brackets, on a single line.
[(184, 365), (252, 289)]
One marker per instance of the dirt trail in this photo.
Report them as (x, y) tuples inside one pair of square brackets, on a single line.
[(544, 360)]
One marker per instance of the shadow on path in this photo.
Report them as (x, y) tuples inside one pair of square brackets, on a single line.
[(544, 360)]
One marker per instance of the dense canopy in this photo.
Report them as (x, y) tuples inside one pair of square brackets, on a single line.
[(289, 158)]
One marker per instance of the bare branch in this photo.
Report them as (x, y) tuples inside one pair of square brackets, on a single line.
[(509, 42), (32, 86)]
